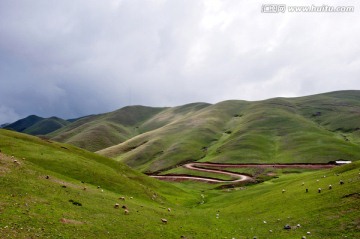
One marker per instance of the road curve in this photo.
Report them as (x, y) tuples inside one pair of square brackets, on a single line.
[(197, 167), (238, 177)]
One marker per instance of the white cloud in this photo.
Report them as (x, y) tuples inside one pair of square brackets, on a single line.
[(71, 59), (7, 115)]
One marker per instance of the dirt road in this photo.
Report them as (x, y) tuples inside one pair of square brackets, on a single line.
[(210, 167), (196, 166)]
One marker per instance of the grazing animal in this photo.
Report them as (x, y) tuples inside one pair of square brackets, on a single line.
[(287, 227), (307, 190), (330, 186), (124, 207), (341, 182), (283, 190), (169, 209), (47, 177), (116, 205), (164, 220), (126, 212), (122, 198), (319, 190)]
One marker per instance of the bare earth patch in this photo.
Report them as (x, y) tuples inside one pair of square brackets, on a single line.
[(70, 221)]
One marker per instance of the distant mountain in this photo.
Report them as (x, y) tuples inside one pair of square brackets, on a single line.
[(36, 125), (4, 125), (97, 132), (318, 128), (22, 124)]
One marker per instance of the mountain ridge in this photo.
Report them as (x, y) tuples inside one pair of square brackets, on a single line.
[(315, 128)]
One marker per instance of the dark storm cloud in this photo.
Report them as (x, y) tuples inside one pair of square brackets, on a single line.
[(72, 58)]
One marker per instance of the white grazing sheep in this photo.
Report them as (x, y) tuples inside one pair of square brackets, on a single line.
[(163, 220), (169, 209), (126, 212), (122, 198), (116, 205)]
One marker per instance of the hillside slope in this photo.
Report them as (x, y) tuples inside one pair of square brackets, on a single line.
[(55, 190), (318, 128), (101, 131), (43, 183), (36, 125), (23, 124)]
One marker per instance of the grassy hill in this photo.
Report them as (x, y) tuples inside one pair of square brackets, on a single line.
[(101, 131), (36, 125), (319, 128), (34, 206), (23, 124)]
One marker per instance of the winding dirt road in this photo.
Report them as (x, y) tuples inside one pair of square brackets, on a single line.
[(197, 167), (204, 167)]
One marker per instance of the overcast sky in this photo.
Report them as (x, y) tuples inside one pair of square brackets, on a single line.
[(73, 58)]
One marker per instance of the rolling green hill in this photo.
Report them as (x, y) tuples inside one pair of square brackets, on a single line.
[(36, 125), (25, 123), (54, 190), (101, 131), (318, 128)]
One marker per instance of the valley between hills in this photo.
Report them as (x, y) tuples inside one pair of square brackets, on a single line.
[(237, 169)]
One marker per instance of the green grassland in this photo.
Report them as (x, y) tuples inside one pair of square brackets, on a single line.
[(311, 129), (100, 131), (36, 125), (317, 128), (32, 206), (97, 132)]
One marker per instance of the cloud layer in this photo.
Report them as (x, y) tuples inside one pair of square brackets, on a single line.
[(71, 59)]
